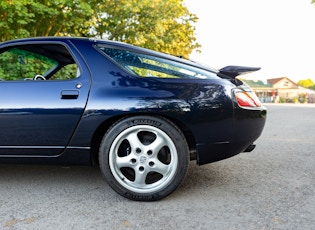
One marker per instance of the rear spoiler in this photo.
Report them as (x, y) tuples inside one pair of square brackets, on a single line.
[(234, 71)]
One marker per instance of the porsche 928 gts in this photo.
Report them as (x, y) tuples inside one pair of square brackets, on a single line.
[(140, 115)]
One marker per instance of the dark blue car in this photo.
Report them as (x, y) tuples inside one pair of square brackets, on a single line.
[(140, 115)]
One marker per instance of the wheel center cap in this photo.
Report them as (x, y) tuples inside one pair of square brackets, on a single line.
[(143, 159)]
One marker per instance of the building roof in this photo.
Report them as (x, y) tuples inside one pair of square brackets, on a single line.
[(257, 84), (274, 81)]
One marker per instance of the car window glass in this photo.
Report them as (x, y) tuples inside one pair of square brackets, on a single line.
[(151, 66), (37, 62), (69, 71)]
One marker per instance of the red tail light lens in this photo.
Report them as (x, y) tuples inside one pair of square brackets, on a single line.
[(247, 99)]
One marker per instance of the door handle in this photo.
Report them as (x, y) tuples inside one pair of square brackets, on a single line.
[(69, 94)]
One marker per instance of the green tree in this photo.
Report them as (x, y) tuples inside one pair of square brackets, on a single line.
[(162, 25), (30, 18), (308, 83)]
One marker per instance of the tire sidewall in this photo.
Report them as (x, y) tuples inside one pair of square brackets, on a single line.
[(166, 126)]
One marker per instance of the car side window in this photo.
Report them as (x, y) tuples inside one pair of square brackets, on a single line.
[(37, 62), (151, 66)]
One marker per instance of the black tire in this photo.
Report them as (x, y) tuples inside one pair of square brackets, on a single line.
[(144, 158)]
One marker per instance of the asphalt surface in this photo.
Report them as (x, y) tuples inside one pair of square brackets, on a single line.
[(272, 187)]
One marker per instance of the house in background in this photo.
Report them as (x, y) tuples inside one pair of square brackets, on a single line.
[(282, 90)]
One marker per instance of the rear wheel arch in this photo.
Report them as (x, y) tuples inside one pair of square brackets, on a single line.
[(102, 129), (99, 134)]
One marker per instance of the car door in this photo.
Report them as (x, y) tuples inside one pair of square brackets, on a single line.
[(43, 93)]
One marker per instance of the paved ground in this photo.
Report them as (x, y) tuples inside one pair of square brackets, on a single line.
[(270, 188)]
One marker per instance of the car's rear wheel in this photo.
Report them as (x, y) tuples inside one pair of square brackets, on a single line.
[(143, 157)]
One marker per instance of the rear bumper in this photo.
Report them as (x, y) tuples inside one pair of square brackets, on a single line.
[(247, 127), (207, 153)]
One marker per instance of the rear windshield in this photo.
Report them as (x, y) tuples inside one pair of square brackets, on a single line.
[(145, 65)]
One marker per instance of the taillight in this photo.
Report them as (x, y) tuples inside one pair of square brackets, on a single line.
[(247, 99)]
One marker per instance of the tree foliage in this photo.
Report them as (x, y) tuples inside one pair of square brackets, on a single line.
[(308, 83), (162, 25), (25, 18)]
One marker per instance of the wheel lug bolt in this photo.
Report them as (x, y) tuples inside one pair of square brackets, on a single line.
[(138, 150)]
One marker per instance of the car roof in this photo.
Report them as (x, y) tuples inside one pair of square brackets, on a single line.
[(111, 43)]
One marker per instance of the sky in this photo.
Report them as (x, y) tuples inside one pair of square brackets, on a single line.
[(276, 35)]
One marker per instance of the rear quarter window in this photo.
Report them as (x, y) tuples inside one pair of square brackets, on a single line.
[(144, 65)]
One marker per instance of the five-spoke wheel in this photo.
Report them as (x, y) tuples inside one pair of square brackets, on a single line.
[(144, 158)]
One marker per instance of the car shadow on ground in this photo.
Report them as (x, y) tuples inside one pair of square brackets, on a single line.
[(76, 178), (207, 180)]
